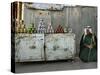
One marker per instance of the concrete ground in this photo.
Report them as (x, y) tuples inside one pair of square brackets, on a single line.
[(54, 66)]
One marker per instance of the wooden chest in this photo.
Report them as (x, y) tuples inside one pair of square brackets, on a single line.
[(44, 47)]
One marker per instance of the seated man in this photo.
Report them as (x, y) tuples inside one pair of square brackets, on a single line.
[(88, 46)]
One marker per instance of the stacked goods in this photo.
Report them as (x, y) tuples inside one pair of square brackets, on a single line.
[(20, 28), (59, 29), (31, 29), (41, 27), (50, 29), (66, 29)]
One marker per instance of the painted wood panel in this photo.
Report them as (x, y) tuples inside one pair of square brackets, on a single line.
[(60, 46), (29, 47)]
